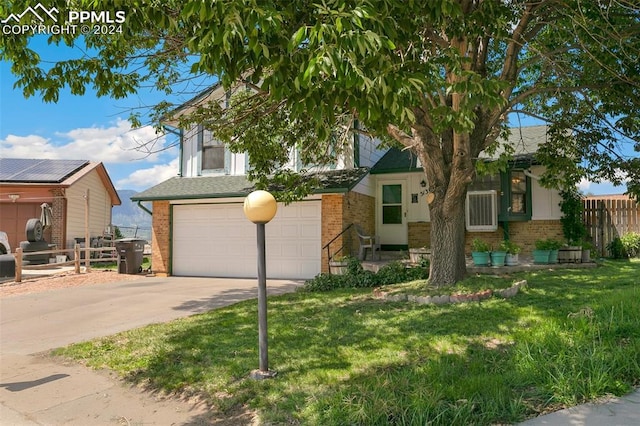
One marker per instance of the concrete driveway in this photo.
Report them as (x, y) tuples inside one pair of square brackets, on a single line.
[(36, 390)]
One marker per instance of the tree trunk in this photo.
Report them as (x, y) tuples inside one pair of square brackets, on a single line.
[(448, 264)]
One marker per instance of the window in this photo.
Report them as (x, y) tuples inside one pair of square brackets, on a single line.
[(518, 192), (513, 195), (212, 151), (482, 210), (391, 204)]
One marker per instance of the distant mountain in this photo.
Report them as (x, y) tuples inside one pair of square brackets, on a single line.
[(130, 218)]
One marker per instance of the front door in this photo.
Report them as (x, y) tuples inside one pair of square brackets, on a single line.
[(392, 213)]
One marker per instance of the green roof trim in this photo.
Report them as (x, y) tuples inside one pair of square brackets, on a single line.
[(226, 186), (404, 161)]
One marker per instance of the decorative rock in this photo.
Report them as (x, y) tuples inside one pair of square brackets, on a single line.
[(425, 300), (399, 297), (454, 298), (440, 300), (484, 294), (521, 284)]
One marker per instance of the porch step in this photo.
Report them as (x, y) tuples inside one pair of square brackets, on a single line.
[(384, 258)]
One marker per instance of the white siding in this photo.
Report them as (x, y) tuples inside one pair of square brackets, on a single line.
[(417, 212), (546, 202), (191, 157), (99, 208), (369, 151)]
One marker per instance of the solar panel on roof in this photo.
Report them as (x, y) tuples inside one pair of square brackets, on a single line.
[(38, 170)]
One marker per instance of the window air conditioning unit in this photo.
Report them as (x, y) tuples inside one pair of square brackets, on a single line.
[(482, 211)]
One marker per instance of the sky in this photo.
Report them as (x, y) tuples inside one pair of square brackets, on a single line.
[(97, 129)]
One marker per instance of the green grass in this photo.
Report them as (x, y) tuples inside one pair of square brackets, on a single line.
[(344, 357)]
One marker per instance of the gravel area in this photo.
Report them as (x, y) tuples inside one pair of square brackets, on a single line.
[(63, 280)]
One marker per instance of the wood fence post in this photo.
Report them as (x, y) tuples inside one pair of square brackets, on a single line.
[(76, 255), (601, 211), (18, 256)]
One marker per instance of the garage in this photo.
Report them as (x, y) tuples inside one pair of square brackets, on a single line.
[(217, 240)]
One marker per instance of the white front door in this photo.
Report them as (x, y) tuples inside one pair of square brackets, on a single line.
[(392, 212)]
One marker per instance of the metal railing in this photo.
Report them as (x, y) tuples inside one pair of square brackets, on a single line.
[(344, 245)]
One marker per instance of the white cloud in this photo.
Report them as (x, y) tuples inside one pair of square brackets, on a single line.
[(145, 178), (584, 185), (114, 144)]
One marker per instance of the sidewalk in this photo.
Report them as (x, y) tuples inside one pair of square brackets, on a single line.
[(623, 411)]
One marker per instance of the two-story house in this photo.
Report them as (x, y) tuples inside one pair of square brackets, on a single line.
[(199, 228)]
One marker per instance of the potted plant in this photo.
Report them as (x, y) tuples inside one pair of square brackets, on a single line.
[(572, 225), (338, 265), (498, 256), (541, 252), (554, 247), (587, 250), (480, 252), (512, 250)]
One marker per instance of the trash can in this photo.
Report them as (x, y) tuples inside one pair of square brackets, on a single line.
[(7, 266), (130, 252)]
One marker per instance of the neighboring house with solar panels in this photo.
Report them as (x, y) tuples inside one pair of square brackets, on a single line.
[(26, 184)]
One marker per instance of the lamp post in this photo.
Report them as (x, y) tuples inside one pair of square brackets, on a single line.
[(260, 207)]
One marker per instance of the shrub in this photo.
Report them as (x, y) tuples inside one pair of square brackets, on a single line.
[(631, 244), (479, 246), (548, 244), (510, 247), (356, 277), (616, 249), (572, 225)]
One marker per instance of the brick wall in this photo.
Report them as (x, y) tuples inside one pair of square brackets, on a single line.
[(160, 243), (58, 209), (338, 212), (524, 234), (419, 234), (358, 209)]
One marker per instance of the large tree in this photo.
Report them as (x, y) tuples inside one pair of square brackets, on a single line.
[(440, 77)]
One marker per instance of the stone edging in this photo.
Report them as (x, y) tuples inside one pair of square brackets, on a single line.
[(452, 298)]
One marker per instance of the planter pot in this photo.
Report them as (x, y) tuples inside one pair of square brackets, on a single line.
[(498, 258), (541, 256), (586, 256), (416, 255), (511, 259), (480, 258), (553, 256), (570, 254), (338, 267)]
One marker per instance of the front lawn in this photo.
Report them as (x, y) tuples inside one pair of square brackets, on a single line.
[(344, 357)]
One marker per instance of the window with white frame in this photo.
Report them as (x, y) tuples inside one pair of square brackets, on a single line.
[(212, 152)]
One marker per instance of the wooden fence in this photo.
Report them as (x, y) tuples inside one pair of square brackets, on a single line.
[(110, 252), (607, 219)]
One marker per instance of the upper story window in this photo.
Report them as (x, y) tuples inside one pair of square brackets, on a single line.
[(212, 152)]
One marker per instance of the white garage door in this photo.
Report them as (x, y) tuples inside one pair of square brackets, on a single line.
[(216, 240)]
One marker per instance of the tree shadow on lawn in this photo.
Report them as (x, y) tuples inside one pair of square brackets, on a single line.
[(346, 353)]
